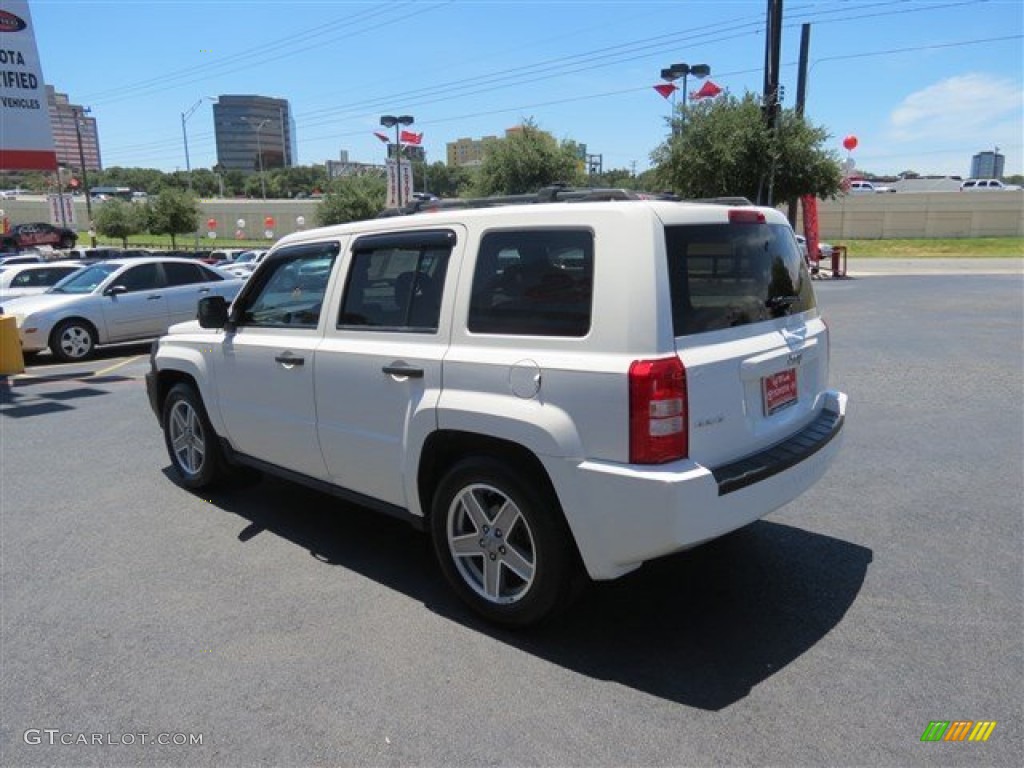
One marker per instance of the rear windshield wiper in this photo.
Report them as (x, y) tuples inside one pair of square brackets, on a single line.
[(781, 303)]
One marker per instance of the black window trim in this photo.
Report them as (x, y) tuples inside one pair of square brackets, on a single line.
[(419, 240), (253, 287)]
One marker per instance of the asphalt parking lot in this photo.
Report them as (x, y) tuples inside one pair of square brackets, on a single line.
[(276, 626)]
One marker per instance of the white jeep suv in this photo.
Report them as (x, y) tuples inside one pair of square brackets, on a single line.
[(549, 389)]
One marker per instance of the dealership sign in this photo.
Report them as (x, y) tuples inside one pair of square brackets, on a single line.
[(26, 140)]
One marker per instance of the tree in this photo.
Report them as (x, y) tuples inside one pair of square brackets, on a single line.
[(173, 213), (353, 198), (527, 160), (615, 178), (725, 149), (116, 218), (443, 180)]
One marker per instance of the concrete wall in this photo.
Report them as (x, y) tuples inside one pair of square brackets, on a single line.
[(922, 215), (855, 217)]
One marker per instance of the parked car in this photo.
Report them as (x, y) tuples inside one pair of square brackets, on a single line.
[(225, 256), (246, 262), (40, 233), (499, 375), (861, 187), (95, 254), (985, 185), (114, 301), (26, 279), (25, 257)]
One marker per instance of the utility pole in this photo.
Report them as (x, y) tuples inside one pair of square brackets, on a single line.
[(770, 99), (801, 92), (77, 112)]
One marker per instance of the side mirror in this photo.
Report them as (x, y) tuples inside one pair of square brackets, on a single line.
[(115, 290), (213, 312)]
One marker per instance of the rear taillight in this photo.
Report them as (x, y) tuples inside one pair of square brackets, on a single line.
[(658, 429)]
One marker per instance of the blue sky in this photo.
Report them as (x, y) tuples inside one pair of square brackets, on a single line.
[(922, 84)]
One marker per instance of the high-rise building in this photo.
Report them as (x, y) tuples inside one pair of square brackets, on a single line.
[(987, 165), (63, 115), (253, 132)]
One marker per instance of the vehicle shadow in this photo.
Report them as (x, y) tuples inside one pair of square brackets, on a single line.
[(45, 359), (700, 628)]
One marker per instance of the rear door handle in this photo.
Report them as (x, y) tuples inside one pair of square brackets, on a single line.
[(154, 298), (288, 360), (400, 369)]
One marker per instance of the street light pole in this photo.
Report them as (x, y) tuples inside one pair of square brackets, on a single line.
[(184, 135), (684, 71), (391, 121), (259, 151)]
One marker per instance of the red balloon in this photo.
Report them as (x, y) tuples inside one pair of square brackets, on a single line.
[(211, 223), (850, 142)]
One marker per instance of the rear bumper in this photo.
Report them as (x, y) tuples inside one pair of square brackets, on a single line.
[(623, 515)]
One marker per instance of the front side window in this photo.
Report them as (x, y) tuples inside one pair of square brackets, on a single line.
[(395, 282), (725, 275), (291, 288), (533, 283), (85, 280)]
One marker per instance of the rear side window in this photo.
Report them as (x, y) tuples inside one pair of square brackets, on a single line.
[(533, 283), (727, 275)]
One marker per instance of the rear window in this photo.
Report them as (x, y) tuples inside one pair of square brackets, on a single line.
[(727, 275)]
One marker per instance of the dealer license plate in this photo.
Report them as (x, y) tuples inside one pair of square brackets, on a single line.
[(779, 391)]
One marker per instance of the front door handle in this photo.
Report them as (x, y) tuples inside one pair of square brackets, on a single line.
[(154, 298), (288, 360), (400, 369)]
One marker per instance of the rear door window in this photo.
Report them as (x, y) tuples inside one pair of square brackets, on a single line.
[(733, 274), (396, 281)]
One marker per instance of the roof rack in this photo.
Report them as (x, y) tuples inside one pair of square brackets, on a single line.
[(555, 193)]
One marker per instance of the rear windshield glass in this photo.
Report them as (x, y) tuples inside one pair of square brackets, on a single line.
[(725, 275)]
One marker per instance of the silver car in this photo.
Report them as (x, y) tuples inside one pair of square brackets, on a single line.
[(27, 279), (115, 301)]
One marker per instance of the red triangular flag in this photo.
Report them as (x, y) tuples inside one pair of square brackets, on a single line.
[(707, 91), (665, 89), (382, 136), (412, 138)]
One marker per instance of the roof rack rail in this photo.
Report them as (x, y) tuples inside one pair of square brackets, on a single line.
[(554, 193)]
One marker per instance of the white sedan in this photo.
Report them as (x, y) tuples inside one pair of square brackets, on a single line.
[(27, 279), (114, 301)]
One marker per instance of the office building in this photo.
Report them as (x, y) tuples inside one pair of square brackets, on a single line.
[(987, 165), (65, 138), (467, 152), (254, 133)]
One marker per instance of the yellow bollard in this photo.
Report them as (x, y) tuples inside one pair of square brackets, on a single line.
[(11, 359)]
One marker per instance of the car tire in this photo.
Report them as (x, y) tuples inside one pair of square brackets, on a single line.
[(502, 543), (192, 444), (72, 341), (67, 242)]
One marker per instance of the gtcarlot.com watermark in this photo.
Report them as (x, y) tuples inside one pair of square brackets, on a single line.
[(55, 736)]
